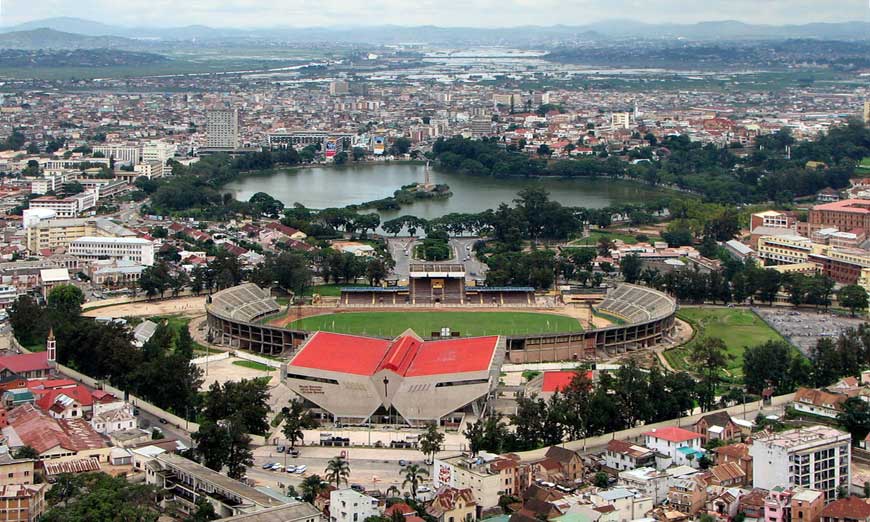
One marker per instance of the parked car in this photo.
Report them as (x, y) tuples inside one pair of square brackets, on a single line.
[(301, 469), (358, 488), (291, 469), (403, 463), (268, 465), (293, 452), (280, 449), (163, 421)]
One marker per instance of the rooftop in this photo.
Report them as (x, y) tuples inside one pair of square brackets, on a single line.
[(800, 436), (407, 355), (672, 434), (559, 380), (855, 206)]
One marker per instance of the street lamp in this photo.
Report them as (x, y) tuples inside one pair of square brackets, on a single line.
[(389, 408)]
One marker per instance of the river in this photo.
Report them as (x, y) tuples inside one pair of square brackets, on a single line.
[(322, 187)]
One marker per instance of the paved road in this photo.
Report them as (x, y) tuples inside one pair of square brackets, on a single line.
[(463, 253), (401, 248), (169, 431)]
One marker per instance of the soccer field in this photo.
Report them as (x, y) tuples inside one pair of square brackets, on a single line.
[(391, 324), (738, 328)]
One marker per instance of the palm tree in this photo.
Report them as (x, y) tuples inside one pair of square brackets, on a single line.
[(311, 487), (337, 471), (413, 475), (393, 492)]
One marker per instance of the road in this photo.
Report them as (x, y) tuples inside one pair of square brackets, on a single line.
[(401, 248), (148, 421)]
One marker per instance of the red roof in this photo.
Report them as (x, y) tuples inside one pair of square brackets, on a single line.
[(41, 432), (407, 355), (854, 206), (559, 380), (80, 394), (850, 507), (673, 434), (25, 362)]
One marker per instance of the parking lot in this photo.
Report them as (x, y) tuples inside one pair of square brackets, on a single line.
[(805, 327)]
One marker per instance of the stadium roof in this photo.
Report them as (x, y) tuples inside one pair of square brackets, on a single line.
[(407, 355)]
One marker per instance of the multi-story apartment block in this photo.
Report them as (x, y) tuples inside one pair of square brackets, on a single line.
[(487, 476), (71, 206), (784, 250), (816, 457), (222, 129)]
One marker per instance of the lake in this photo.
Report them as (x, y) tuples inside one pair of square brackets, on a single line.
[(322, 187)]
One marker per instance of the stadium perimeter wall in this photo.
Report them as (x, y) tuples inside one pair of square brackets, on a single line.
[(535, 348)]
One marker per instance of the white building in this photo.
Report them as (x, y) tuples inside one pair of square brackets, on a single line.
[(817, 457), (70, 206), (133, 249), (222, 129), (157, 150), (347, 505), (620, 120), (121, 153), (682, 446), (149, 169), (629, 505), (648, 481), (110, 421), (46, 184)]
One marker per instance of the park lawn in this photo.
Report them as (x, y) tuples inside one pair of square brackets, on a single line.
[(865, 164), (254, 365), (391, 324), (595, 235), (737, 327)]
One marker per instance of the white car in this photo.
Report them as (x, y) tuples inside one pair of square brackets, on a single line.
[(277, 467), (301, 469), (291, 469)]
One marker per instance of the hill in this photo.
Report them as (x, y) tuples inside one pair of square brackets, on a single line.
[(44, 38)]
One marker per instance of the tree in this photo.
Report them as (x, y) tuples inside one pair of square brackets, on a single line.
[(296, 419), (855, 418), (66, 300), (29, 320), (337, 471), (431, 441), (631, 267), (853, 297), (312, 486), (601, 480), (247, 400), (26, 452), (605, 245), (768, 364), (413, 475), (212, 445), (544, 150), (204, 512), (709, 356), (98, 496), (400, 146)]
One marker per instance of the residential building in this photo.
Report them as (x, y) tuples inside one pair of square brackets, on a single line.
[(570, 463), (159, 151), (777, 505), (622, 455), (849, 509), (339, 88), (481, 126), (453, 505), (620, 120), (681, 445), (688, 495), (649, 481), (222, 129), (347, 505), (717, 426), (110, 421), (15, 471), (489, 477), (819, 402), (807, 505), (628, 505), (54, 439), (134, 249), (816, 457), (22, 502)]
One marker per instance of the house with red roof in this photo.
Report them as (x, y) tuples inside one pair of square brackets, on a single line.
[(681, 445), (405, 380), (52, 438), (27, 365)]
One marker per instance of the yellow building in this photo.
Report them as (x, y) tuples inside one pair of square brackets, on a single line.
[(785, 250), (59, 233)]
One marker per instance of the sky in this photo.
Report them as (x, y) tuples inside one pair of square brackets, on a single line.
[(448, 13)]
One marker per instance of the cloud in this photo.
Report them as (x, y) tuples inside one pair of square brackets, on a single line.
[(483, 13)]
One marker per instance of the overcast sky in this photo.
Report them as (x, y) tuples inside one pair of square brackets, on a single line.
[(468, 13)]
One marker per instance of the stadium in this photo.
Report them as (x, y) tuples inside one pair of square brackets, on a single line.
[(415, 377)]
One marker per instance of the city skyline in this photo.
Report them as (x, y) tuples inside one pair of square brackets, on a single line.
[(264, 14)]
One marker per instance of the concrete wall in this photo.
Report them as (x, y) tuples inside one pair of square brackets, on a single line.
[(272, 363), (210, 358)]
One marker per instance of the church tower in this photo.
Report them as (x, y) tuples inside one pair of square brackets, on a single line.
[(51, 348)]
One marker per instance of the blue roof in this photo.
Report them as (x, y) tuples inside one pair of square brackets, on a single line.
[(499, 289), (686, 450)]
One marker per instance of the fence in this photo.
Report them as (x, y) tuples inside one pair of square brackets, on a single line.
[(210, 358), (256, 358)]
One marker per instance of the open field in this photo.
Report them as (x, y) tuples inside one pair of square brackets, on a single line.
[(596, 235), (738, 327), (865, 164), (469, 323)]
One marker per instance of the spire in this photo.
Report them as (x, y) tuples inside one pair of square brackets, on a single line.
[(51, 347)]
